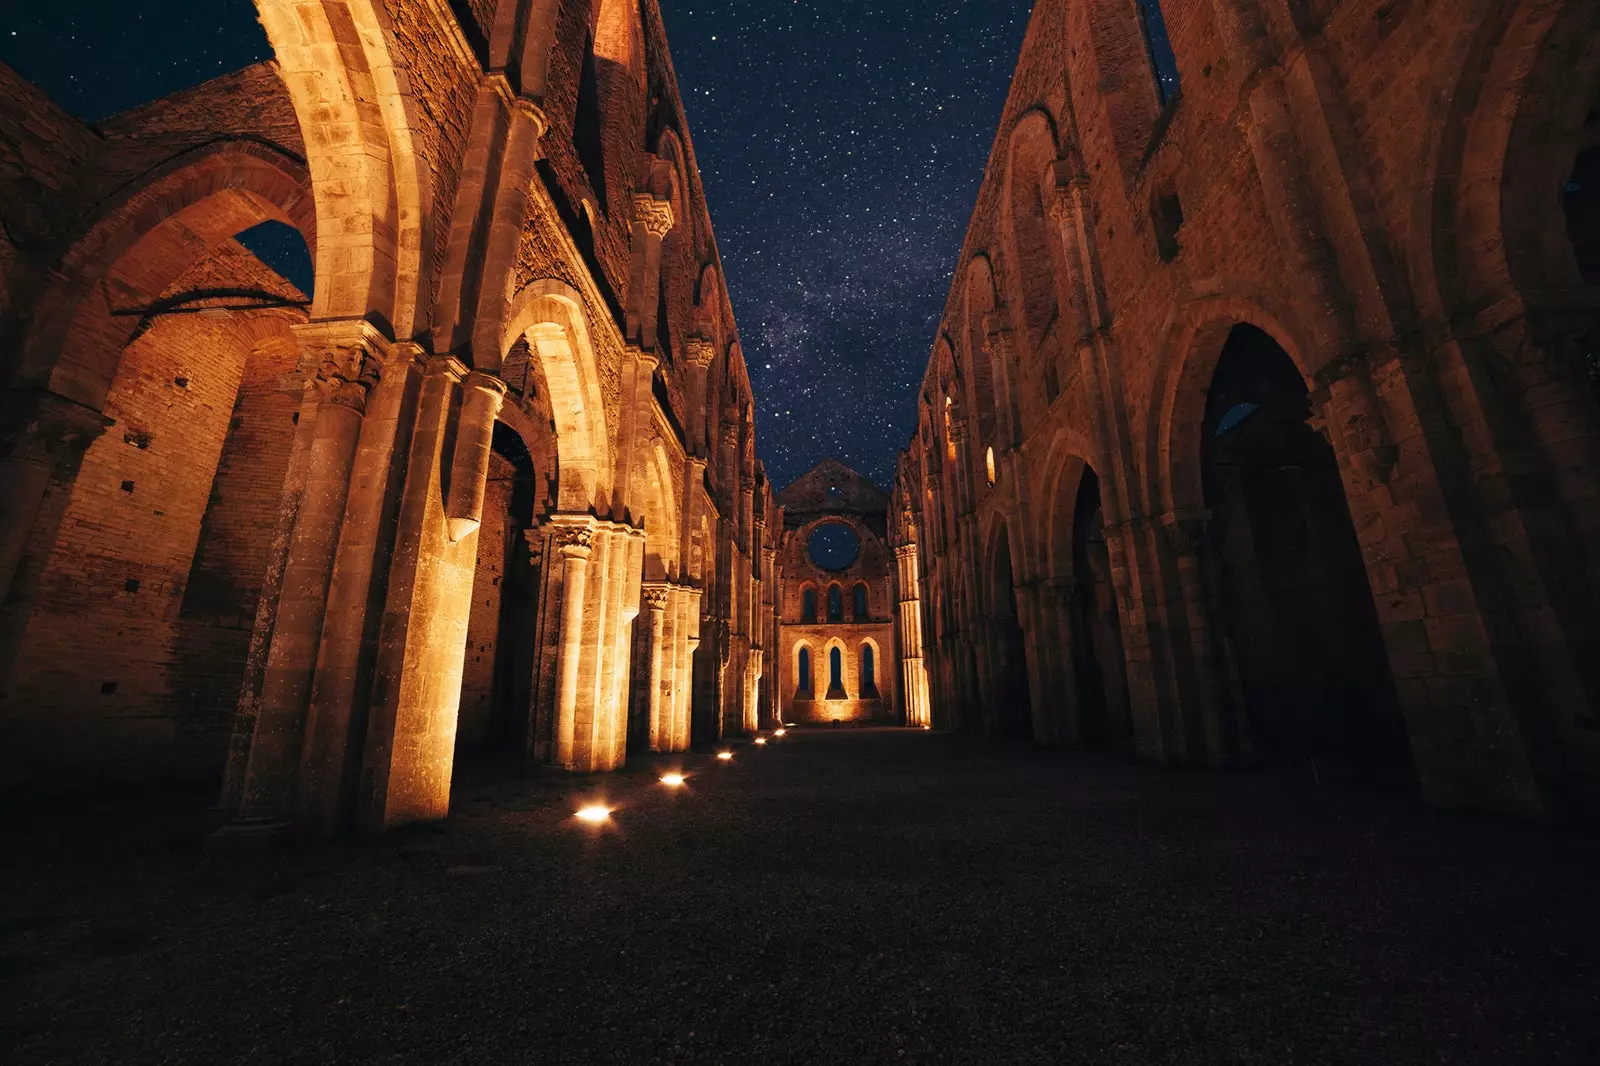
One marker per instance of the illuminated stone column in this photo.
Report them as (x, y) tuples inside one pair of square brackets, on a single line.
[(345, 374), (331, 753), (914, 677), (652, 221), (702, 353), (409, 755), (573, 537), (689, 643), (657, 598)]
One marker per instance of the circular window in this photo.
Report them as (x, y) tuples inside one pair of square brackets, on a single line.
[(833, 546)]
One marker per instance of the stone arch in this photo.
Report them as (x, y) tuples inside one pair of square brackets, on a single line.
[(1007, 695), (836, 666), (351, 90), (807, 607), (1033, 256), (805, 670), (869, 670), (1488, 215), (983, 383), (660, 511), (141, 244), (1193, 344), (550, 314)]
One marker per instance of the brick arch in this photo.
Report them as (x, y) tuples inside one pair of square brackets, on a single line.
[(1489, 224), (998, 527), (1030, 251), (351, 91), (142, 242), (983, 393), (550, 315), (660, 514), (1194, 339), (1069, 458)]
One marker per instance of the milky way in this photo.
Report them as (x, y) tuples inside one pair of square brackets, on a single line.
[(841, 143)]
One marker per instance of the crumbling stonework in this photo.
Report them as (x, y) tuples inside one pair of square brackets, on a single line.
[(489, 490), (1256, 426)]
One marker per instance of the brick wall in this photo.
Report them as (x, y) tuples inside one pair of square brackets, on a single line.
[(120, 665)]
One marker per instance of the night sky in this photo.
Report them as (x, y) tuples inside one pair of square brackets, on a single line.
[(841, 142)]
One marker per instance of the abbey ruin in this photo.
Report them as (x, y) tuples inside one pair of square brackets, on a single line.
[(1257, 428)]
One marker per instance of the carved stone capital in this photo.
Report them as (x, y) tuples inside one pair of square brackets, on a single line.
[(653, 214), (702, 352), (572, 535), (656, 596)]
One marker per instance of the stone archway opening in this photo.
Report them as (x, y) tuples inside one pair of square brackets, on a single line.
[(1011, 714), (496, 717), (1099, 668), (1299, 614)]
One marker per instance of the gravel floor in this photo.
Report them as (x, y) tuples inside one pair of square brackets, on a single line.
[(868, 896)]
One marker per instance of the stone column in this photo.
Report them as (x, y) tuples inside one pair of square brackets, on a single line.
[(574, 536), (409, 753), (336, 716), (702, 353), (347, 373), (657, 598), (652, 221)]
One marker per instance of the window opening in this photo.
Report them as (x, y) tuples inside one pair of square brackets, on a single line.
[(1159, 48)]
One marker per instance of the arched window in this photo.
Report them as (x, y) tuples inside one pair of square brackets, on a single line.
[(860, 604), (835, 604), (869, 673), (836, 674), (1159, 47), (804, 683), (808, 605)]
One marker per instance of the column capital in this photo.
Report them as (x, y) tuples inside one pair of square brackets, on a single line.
[(702, 352), (654, 215), (656, 596), (573, 535)]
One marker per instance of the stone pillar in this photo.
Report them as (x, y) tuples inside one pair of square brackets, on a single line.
[(574, 536), (702, 353), (914, 677), (657, 598), (346, 374), (409, 755), (652, 221), (336, 716)]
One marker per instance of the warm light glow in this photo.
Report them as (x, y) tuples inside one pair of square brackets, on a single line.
[(780, 732), (595, 815), (673, 780), (761, 740), (725, 756)]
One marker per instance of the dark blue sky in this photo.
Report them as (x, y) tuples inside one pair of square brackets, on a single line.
[(841, 142)]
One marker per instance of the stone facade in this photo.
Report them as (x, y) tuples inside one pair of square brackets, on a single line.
[(838, 652), (490, 489), (1257, 426)]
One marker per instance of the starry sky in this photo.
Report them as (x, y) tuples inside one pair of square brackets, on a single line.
[(841, 142)]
